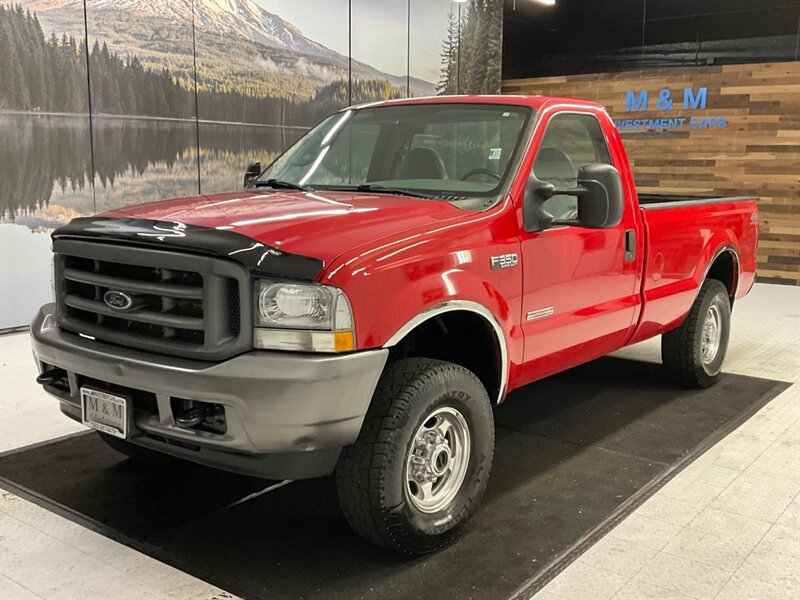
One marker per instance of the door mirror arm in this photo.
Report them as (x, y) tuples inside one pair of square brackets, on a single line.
[(537, 192)]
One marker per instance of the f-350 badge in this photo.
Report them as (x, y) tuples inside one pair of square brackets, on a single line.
[(504, 261)]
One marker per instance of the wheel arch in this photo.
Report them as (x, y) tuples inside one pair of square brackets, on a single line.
[(456, 319), (724, 266)]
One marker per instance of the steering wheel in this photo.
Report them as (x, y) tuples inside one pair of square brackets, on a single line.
[(487, 172)]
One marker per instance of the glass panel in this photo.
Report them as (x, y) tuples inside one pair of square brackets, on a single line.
[(438, 148), (141, 73), (274, 69), (570, 142), (380, 50), (433, 45), (45, 156), (480, 51)]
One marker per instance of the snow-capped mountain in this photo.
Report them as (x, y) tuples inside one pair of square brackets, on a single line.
[(240, 17), (239, 42)]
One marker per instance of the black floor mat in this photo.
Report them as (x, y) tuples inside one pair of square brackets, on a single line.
[(571, 450)]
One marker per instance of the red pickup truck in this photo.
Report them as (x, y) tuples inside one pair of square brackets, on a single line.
[(363, 303)]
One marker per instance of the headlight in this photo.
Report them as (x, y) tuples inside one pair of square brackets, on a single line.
[(306, 317), (293, 305)]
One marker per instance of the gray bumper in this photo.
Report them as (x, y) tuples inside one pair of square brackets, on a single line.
[(288, 414)]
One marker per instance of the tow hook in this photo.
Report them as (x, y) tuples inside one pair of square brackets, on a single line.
[(191, 417), (203, 415), (50, 376)]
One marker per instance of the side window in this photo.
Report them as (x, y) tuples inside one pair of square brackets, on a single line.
[(570, 142)]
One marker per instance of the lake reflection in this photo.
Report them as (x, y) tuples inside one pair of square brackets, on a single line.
[(46, 179)]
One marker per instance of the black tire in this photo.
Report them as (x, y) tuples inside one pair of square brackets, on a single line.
[(372, 476), (130, 450), (682, 349)]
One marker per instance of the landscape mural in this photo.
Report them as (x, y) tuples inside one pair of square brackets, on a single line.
[(111, 102)]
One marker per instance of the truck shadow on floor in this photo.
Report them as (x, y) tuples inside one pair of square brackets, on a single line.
[(570, 450)]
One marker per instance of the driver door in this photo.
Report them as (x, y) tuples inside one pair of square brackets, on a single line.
[(579, 289)]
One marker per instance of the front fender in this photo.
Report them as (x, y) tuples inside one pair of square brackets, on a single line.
[(404, 303), (394, 286)]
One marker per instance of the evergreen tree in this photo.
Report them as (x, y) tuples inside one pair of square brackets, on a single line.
[(49, 74), (8, 84), (494, 48), (476, 65), (448, 82)]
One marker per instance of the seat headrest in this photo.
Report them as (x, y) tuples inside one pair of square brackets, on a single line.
[(423, 163), (554, 164)]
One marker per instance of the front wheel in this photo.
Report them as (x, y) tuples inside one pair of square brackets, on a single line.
[(693, 352), (421, 463)]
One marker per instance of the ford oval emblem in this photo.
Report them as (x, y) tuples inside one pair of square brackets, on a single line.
[(117, 300)]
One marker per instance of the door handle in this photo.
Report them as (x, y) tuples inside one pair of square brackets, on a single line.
[(630, 245)]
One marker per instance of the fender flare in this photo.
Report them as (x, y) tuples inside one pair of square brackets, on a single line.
[(729, 248), (460, 305)]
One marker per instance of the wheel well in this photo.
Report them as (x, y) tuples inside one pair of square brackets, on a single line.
[(725, 269), (461, 337)]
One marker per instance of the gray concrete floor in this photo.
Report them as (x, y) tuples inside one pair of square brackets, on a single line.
[(728, 526)]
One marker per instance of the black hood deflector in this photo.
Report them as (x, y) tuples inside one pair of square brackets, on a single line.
[(259, 258)]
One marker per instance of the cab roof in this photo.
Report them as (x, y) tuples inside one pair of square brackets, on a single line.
[(534, 102)]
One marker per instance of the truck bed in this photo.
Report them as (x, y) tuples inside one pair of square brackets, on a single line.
[(682, 242)]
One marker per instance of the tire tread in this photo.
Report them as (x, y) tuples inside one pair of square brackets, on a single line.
[(678, 349), (361, 469)]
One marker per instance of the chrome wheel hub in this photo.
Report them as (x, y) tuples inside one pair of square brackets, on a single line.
[(438, 459), (712, 327)]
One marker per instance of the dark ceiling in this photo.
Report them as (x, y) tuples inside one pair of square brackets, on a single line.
[(584, 36)]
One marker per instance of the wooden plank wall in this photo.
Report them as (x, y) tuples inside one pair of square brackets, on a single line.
[(758, 153)]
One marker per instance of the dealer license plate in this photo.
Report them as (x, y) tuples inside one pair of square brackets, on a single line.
[(104, 412)]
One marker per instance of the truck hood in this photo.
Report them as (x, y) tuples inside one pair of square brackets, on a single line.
[(322, 225)]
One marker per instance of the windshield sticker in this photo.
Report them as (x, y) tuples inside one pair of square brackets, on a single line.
[(494, 153)]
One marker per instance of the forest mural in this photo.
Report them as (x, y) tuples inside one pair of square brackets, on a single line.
[(111, 102)]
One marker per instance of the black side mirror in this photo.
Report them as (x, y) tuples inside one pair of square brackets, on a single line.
[(252, 172), (601, 201), (599, 193)]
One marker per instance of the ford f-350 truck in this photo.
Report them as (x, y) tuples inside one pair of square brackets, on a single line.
[(362, 304)]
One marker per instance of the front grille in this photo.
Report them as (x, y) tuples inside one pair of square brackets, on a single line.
[(181, 304)]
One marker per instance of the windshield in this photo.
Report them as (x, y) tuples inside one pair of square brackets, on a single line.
[(450, 150)]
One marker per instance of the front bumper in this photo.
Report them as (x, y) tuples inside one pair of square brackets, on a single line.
[(288, 414)]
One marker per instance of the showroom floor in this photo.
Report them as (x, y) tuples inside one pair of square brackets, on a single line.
[(728, 526)]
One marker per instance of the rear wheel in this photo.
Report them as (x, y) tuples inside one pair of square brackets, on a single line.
[(693, 352), (421, 463)]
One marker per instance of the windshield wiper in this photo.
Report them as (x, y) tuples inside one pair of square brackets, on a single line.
[(279, 184), (369, 187)]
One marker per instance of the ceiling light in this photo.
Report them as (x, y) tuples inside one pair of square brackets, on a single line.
[(542, 2)]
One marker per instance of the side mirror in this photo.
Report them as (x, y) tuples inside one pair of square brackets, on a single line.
[(600, 202), (252, 172), (599, 193)]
